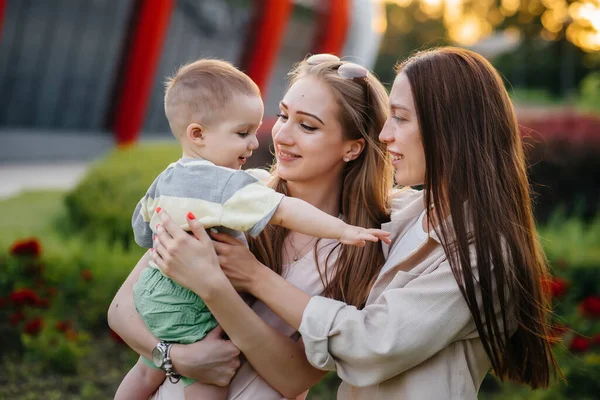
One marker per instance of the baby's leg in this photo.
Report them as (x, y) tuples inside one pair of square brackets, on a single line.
[(202, 391), (140, 382)]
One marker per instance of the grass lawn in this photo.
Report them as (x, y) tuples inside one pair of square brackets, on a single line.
[(27, 214)]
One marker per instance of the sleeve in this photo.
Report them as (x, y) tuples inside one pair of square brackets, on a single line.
[(142, 215), (404, 327), (248, 205)]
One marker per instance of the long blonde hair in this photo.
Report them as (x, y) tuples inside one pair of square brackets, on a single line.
[(366, 185)]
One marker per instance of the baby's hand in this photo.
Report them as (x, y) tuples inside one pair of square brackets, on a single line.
[(356, 236)]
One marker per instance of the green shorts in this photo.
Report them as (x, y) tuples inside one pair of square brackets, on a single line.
[(171, 312)]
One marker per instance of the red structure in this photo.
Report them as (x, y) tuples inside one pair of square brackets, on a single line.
[(271, 23), (145, 50), (334, 25), (2, 8)]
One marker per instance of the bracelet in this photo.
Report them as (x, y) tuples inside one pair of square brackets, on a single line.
[(173, 376)]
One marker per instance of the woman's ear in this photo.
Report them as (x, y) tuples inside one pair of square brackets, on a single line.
[(354, 149), (195, 133)]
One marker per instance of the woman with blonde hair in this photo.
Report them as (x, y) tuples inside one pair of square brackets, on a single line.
[(327, 154), (460, 291)]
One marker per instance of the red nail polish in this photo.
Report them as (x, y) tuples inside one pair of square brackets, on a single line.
[(152, 249), (157, 225), (191, 215), (158, 209), (155, 236)]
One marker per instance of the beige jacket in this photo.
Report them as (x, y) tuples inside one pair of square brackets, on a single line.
[(414, 339)]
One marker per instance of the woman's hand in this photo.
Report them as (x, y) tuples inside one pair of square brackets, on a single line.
[(212, 360), (237, 262), (190, 261)]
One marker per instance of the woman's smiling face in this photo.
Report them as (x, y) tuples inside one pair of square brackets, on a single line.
[(402, 135), (308, 139)]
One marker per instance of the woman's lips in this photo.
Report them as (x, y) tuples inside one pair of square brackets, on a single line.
[(285, 156)]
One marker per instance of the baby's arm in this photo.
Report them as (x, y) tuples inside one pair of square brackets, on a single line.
[(300, 216)]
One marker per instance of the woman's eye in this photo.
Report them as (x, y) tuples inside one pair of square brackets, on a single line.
[(243, 134), (282, 116), (308, 128), (398, 118)]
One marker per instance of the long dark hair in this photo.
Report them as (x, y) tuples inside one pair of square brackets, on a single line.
[(476, 174), (367, 181)]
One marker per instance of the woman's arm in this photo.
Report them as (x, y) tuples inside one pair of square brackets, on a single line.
[(124, 319), (403, 328), (274, 356), (211, 360)]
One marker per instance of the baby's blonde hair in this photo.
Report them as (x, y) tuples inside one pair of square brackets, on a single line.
[(199, 90)]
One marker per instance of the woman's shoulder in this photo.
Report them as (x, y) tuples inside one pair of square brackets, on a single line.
[(406, 199)]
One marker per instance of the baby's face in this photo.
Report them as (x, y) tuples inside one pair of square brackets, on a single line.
[(231, 142)]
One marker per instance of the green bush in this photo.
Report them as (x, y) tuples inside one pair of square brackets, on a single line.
[(101, 205), (53, 294), (589, 89)]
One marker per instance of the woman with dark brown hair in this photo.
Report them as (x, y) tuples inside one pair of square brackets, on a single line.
[(460, 291)]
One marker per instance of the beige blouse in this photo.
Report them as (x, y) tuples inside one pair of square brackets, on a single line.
[(247, 384), (414, 339)]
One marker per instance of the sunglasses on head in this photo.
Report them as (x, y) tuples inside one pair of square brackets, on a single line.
[(347, 70)]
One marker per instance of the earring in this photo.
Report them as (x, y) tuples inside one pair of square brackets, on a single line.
[(346, 159)]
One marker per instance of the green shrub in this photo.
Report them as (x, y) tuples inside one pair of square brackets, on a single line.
[(54, 293), (101, 205), (590, 92)]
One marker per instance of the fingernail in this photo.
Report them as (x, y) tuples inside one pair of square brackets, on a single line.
[(157, 225), (191, 215), (158, 209), (152, 249), (155, 236)]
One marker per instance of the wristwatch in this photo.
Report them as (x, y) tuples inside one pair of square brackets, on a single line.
[(161, 358)]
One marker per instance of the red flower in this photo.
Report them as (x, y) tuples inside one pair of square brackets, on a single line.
[(2, 302), (116, 337), (590, 306), (24, 296), (34, 326), (16, 317), (63, 326), (579, 345), (87, 275), (26, 247), (555, 286)]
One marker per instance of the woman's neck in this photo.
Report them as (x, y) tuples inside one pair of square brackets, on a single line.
[(323, 195)]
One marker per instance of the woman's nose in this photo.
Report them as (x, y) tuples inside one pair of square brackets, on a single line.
[(282, 133), (386, 135)]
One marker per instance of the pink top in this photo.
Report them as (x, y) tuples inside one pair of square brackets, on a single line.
[(247, 384)]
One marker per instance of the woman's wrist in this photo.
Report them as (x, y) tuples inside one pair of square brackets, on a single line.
[(178, 352), (209, 287), (259, 280)]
